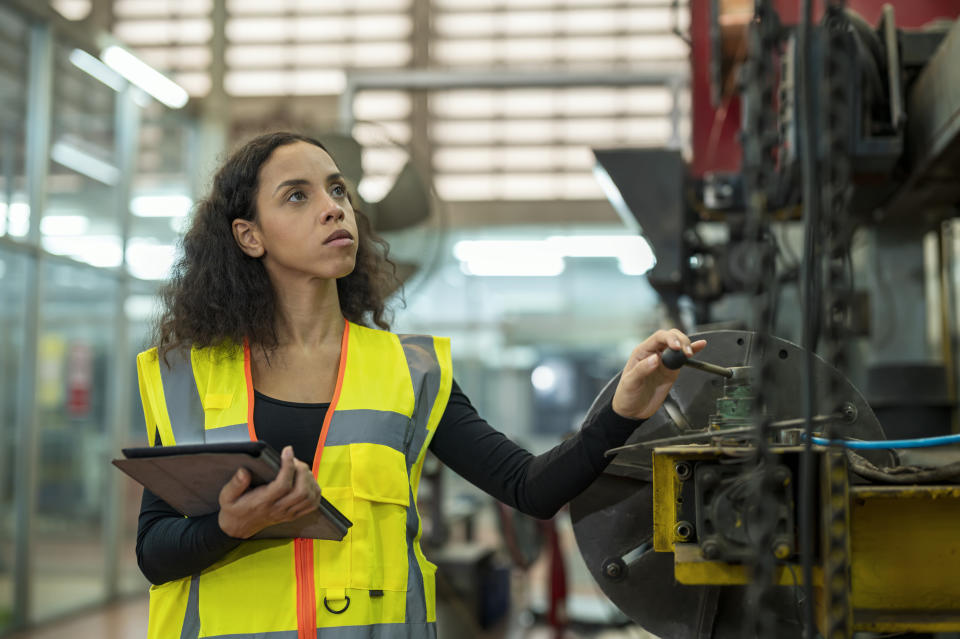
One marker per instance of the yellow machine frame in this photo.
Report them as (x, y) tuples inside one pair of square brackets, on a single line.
[(904, 548)]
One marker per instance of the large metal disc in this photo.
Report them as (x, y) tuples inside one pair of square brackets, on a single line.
[(613, 518)]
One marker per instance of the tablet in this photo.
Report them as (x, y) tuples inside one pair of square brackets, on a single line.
[(190, 477)]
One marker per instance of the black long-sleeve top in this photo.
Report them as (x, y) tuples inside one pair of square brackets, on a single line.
[(170, 546)]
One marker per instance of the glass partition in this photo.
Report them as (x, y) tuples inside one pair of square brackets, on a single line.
[(13, 296), (59, 429), (73, 438)]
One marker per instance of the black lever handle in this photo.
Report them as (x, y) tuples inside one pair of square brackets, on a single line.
[(674, 359)]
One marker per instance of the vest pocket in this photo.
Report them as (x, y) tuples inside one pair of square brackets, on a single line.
[(220, 410), (332, 558), (381, 489)]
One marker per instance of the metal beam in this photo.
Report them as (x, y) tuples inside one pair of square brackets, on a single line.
[(39, 109), (118, 376), (663, 74)]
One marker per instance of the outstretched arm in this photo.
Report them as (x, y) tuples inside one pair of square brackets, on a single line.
[(540, 485)]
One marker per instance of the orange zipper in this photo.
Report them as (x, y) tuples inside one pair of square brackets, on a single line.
[(306, 602), (247, 365), (303, 548)]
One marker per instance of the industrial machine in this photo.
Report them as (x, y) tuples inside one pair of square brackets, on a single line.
[(763, 499), (677, 529)]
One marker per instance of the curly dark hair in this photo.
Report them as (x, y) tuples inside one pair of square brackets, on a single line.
[(218, 294)]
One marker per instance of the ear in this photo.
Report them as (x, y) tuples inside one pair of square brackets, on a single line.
[(247, 236)]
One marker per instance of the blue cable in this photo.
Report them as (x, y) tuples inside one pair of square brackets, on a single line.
[(921, 442)]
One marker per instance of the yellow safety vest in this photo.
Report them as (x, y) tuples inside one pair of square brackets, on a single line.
[(391, 392)]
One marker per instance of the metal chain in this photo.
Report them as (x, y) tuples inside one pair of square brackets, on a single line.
[(759, 143), (837, 228), (760, 138)]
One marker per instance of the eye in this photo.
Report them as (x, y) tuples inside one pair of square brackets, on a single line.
[(297, 196), (338, 190)]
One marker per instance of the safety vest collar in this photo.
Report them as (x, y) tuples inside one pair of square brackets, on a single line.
[(207, 395)]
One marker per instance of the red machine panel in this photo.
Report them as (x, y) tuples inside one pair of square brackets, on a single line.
[(715, 144)]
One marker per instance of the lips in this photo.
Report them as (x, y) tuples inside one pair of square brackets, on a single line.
[(338, 235)]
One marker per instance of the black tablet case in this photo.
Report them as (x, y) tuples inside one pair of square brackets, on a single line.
[(190, 478)]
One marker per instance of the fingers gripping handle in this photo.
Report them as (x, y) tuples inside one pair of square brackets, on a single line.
[(674, 359)]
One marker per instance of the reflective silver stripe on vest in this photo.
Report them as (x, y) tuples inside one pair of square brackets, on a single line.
[(279, 634), (185, 409), (416, 608), (381, 631), (378, 631), (233, 433), (182, 397), (425, 373), (191, 618), (364, 426)]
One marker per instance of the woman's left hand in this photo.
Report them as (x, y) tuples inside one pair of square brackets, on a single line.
[(645, 381)]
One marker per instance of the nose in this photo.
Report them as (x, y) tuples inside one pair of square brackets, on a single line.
[(332, 211)]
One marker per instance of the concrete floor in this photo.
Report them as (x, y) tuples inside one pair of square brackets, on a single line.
[(122, 620)]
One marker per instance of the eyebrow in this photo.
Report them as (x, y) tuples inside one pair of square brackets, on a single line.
[(333, 177)]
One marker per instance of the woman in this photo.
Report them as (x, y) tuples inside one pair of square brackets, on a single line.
[(265, 336)]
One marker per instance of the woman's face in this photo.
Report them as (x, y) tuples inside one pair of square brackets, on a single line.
[(305, 225)]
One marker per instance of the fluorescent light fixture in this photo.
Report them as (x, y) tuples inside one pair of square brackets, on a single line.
[(547, 257), (541, 267), (374, 188), (637, 264), (508, 250), (381, 105), (161, 205), (86, 62), (633, 252), (508, 258), (64, 225), (384, 160), (15, 219), (78, 160), (285, 82), (593, 245), (98, 250), (638, 259), (144, 76), (150, 260), (72, 9)]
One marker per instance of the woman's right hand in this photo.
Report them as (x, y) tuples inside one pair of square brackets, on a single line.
[(293, 493)]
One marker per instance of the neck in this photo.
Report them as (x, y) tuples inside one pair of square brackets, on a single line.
[(308, 313)]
